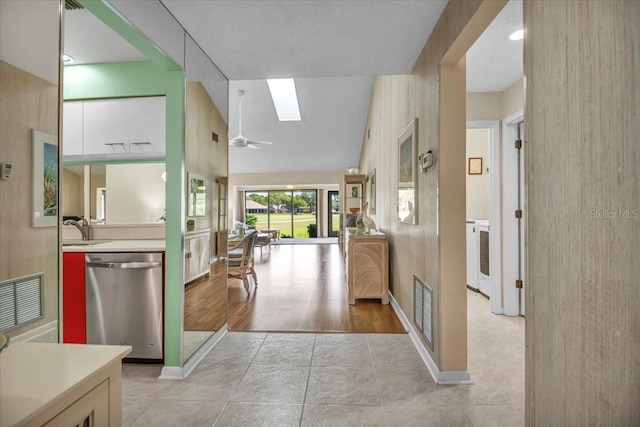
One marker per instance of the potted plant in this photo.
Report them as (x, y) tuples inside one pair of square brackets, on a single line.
[(191, 225), (312, 229)]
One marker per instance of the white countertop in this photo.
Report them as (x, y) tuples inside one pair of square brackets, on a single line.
[(149, 245), (34, 376)]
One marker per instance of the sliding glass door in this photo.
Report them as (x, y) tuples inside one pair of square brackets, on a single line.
[(293, 213)]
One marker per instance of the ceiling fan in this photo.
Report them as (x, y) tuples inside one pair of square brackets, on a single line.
[(240, 141)]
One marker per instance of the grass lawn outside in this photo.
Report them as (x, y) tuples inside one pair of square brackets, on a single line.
[(283, 222)]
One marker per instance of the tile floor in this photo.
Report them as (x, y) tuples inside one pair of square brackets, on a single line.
[(307, 379)]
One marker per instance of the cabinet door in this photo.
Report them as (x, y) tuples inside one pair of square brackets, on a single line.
[(194, 264), (105, 130), (92, 409), (147, 129), (187, 260), (204, 254), (72, 128)]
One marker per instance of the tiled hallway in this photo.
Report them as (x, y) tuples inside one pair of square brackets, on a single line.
[(307, 379)]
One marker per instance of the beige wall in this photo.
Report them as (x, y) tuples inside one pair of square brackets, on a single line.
[(495, 105), (73, 188), (322, 181), (582, 62), (434, 249), (478, 144), (27, 102), (135, 193), (203, 156)]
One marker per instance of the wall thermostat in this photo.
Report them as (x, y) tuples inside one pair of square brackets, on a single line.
[(426, 161), (5, 171)]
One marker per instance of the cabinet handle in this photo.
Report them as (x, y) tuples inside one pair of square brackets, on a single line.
[(114, 143), (141, 143), (100, 264)]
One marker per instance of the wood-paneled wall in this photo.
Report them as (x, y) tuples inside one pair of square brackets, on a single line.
[(582, 118), (27, 102), (203, 156), (434, 249)]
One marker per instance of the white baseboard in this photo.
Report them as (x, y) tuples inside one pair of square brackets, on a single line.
[(36, 333), (440, 377), (182, 372)]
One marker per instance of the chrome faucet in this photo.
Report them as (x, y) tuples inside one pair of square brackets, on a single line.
[(84, 228)]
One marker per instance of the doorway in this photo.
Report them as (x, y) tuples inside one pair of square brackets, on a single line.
[(333, 213)]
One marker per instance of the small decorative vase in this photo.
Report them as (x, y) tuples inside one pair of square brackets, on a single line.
[(191, 224)]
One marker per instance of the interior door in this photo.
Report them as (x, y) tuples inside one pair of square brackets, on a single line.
[(334, 213)]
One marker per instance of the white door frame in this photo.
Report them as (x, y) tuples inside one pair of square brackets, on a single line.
[(495, 212), (512, 295)]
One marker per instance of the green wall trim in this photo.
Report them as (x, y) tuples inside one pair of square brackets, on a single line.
[(107, 14), (113, 80), (175, 223)]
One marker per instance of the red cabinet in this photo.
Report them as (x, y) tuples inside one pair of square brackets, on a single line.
[(74, 313)]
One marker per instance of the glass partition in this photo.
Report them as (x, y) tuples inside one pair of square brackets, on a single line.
[(205, 299)]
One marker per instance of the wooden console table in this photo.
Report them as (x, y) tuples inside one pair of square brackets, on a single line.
[(367, 265)]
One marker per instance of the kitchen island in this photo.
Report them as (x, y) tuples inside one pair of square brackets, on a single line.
[(61, 384)]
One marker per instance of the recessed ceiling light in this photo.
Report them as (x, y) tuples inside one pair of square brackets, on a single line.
[(516, 35), (285, 99), (67, 59)]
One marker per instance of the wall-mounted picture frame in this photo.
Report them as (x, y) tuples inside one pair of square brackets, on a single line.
[(475, 166), (45, 179), (372, 192), (196, 195), (407, 163)]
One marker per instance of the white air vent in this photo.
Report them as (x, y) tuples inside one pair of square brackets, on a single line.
[(423, 309), (20, 301)]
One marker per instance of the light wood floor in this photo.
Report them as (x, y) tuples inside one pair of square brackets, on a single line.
[(205, 301), (302, 288)]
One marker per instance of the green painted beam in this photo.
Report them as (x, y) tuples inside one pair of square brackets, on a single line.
[(107, 14), (175, 223), (160, 76)]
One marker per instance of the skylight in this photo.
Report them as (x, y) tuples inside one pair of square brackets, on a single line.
[(285, 99)]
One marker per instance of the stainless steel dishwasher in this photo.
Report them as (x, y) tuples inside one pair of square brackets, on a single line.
[(124, 301)]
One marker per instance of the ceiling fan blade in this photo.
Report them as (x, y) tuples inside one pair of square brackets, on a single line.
[(252, 146), (251, 141)]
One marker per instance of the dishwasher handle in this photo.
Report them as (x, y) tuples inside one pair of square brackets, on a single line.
[(135, 264)]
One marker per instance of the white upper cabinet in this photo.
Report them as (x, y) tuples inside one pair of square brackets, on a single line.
[(112, 129), (147, 130), (72, 128), (106, 127)]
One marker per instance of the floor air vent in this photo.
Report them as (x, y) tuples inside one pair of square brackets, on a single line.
[(423, 309), (20, 301)]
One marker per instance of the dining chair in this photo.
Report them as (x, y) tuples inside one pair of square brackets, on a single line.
[(240, 261)]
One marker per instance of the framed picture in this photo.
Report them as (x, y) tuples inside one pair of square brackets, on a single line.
[(407, 162), (475, 165), (197, 195), (372, 192), (355, 191), (45, 179)]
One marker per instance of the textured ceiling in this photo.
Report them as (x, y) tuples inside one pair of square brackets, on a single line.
[(271, 39), (331, 48), (494, 62)]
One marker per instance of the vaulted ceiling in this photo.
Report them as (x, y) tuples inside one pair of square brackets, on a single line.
[(333, 49)]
